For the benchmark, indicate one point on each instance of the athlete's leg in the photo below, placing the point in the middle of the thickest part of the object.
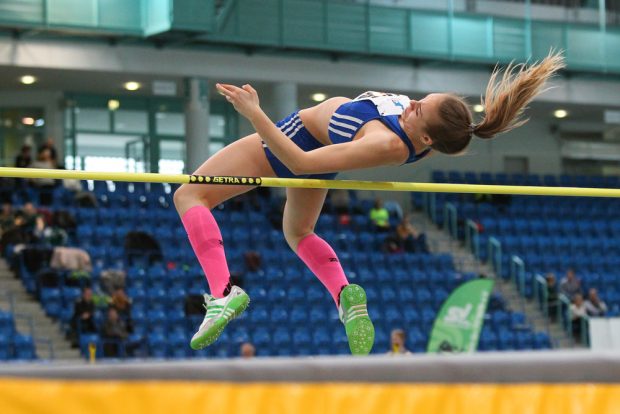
(245, 157)
(193, 202)
(302, 210)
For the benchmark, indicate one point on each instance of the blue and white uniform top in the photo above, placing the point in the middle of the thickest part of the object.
(385, 107)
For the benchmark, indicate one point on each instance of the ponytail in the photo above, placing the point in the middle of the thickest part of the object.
(507, 98)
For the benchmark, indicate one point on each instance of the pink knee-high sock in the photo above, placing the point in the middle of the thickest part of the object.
(322, 260)
(206, 240)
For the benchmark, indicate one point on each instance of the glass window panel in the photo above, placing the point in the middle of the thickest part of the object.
(103, 145)
(131, 121)
(168, 123)
(172, 157)
(171, 166)
(112, 164)
(93, 119)
(217, 126)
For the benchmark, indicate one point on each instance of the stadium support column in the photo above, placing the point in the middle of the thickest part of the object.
(196, 122)
(284, 99)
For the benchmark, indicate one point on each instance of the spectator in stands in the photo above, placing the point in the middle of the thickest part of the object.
(397, 343)
(21, 231)
(49, 146)
(115, 331)
(247, 350)
(30, 215)
(121, 303)
(24, 158)
(83, 313)
(406, 238)
(7, 216)
(44, 160)
(379, 217)
(594, 304)
(578, 312)
(552, 296)
(570, 284)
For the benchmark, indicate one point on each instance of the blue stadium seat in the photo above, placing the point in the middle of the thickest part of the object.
(261, 337)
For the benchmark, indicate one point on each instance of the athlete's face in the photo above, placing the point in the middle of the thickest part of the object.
(419, 114)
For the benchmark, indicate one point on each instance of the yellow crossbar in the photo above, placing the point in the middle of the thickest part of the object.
(310, 183)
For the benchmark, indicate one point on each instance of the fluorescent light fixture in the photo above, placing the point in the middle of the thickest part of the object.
(113, 104)
(560, 113)
(132, 86)
(318, 97)
(28, 121)
(27, 79)
(478, 108)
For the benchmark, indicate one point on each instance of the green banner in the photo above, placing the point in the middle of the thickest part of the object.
(458, 324)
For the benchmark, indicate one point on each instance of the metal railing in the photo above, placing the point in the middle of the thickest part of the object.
(495, 255)
(472, 238)
(450, 219)
(517, 276)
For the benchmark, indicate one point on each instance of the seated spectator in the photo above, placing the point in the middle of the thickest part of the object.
(406, 238)
(397, 343)
(21, 232)
(594, 304)
(115, 330)
(30, 215)
(552, 296)
(380, 217)
(121, 302)
(247, 350)
(570, 284)
(578, 312)
(24, 158)
(7, 216)
(83, 315)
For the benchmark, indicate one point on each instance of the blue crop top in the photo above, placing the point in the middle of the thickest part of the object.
(351, 116)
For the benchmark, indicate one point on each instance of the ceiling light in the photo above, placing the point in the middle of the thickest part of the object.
(27, 79)
(28, 121)
(318, 97)
(560, 113)
(39, 122)
(132, 86)
(478, 108)
(113, 104)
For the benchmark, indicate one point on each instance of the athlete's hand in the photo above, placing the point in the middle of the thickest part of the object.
(244, 99)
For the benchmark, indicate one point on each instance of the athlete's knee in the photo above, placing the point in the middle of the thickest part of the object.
(185, 197)
(294, 235)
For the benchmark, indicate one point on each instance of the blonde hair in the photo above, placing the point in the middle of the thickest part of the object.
(507, 96)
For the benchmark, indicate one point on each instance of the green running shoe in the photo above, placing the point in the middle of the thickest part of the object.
(219, 313)
(354, 314)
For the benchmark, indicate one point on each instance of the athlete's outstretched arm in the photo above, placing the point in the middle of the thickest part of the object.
(370, 151)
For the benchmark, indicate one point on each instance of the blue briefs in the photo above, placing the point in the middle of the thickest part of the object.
(293, 128)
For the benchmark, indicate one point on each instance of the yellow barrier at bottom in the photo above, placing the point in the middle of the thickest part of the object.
(166, 397)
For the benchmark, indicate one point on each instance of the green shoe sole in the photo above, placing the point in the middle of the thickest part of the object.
(239, 305)
(360, 331)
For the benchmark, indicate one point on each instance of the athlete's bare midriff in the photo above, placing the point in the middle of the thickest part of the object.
(316, 120)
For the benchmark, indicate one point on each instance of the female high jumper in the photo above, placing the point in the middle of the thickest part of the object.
(339, 134)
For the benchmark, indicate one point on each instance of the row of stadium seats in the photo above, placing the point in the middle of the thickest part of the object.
(13, 345)
(525, 179)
